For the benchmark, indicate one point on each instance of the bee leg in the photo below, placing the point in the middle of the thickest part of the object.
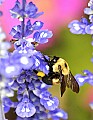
(62, 81)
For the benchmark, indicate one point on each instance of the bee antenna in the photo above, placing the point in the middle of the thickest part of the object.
(46, 60)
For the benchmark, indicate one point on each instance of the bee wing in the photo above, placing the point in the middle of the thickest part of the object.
(72, 83)
(62, 81)
(62, 86)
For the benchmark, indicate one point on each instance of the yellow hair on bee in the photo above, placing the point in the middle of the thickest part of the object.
(40, 74)
(64, 66)
(55, 81)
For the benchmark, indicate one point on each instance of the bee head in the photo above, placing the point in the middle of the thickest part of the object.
(54, 60)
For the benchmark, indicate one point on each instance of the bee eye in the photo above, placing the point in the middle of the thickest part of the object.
(65, 65)
(54, 60)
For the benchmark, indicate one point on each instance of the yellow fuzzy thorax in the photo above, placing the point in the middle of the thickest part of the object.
(61, 62)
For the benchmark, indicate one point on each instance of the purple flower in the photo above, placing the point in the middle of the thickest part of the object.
(23, 46)
(84, 27)
(44, 86)
(86, 78)
(16, 32)
(16, 9)
(42, 36)
(29, 28)
(30, 11)
(4, 45)
(89, 29)
(20, 118)
(1, 13)
(33, 99)
(91, 18)
(91, 105)
(78, 27)
(40, 116)
(14, 85)
(1, 1)
(20, 97)
(48, 102)
(23, 59)
(6, 108)
(37, 25)
(89, 11)
(7, 102)
(9, 69)
(80, 79)
(21, 79)
(57, 114)
(43, 66)
(25, 108)
(90, 3)
(21, 90)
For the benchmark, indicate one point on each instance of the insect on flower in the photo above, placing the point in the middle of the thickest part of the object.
(59, 72)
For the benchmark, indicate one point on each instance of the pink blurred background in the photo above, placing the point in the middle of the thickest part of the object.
(58, 13)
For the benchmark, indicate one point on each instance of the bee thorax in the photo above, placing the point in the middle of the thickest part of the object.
(64, 66)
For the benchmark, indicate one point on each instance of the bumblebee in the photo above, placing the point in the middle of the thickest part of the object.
(59, 73)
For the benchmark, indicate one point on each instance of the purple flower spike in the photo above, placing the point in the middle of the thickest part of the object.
(25, 109)
(34, 102)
